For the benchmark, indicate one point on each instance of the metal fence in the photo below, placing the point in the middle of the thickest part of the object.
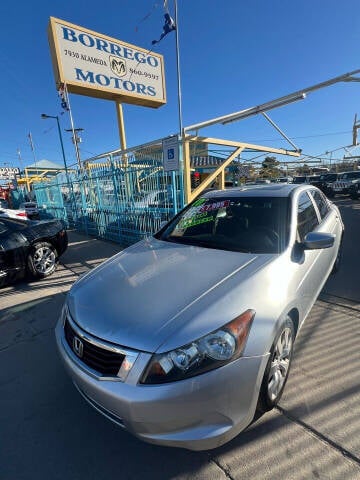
(122, 196)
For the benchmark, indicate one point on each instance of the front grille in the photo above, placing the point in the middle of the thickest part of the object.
(102, 360)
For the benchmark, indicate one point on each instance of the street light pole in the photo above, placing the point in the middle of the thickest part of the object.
(44, 116)
(69, 184)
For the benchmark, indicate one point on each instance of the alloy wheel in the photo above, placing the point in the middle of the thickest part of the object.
(280, 364)
(44, 260)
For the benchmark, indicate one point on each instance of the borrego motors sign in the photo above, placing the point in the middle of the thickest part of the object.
(95, 65)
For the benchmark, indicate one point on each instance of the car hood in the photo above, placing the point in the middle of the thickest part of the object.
(134, 298)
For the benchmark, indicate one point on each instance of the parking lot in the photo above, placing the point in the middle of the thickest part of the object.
(48, 431)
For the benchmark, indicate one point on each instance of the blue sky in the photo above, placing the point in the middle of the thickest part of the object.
(233, 55)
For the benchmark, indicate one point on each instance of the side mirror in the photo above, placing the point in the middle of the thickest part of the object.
(318, 240)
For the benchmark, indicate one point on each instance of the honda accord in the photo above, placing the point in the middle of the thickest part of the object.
(183, 337)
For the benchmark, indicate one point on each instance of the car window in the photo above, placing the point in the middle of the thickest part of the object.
(299, 179)
(307, 217)
(351, 175)
(331, 177)
(244, 224)
(321, 203)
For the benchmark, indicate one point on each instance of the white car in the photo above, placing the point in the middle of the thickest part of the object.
(31, 209)
(11, 213)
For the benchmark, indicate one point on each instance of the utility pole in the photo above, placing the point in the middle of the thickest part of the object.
(76, 140)
(356, 126)
(20, 160)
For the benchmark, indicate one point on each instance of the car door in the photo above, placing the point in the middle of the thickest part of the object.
(310, 268)
(13, 250)
(330, 222)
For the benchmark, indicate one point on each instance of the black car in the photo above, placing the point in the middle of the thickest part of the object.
(30, 247)
(301, 179)
(354, 190)
(325, 180)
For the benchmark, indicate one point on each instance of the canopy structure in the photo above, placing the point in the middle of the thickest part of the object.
(41, 171)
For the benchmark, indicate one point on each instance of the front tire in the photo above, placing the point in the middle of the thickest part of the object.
(42, 259)
(278, 367)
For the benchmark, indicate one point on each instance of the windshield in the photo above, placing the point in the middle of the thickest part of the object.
(299, 179)
(328, 177)
(350, 175)
(240, 224)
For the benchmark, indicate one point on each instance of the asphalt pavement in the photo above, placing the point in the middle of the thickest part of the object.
(47, 431)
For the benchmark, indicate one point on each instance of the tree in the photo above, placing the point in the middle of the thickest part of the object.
(270, 167)
(304, 170)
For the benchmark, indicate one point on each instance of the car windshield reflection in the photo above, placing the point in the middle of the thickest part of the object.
(246, 224)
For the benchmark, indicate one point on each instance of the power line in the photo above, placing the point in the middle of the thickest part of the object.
(306, 136)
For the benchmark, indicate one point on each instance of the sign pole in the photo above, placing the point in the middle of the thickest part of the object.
(120, 118)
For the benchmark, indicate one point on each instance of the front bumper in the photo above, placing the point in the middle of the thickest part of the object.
(199, 413)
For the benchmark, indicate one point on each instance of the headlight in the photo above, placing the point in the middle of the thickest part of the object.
(207, 353)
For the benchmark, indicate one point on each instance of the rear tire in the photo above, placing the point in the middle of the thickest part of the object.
(42, 259)
(278, 367)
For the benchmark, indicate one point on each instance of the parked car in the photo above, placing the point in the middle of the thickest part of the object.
(262, 181)
(30, 247)
(312, 179)
(354, 190)
(325, 181)
(153, 199)
(230, 183)
(299, 179)
(283, 180)
(342, 185)
(31, 209)
(13, 213)
(181, 337)
(148, 210)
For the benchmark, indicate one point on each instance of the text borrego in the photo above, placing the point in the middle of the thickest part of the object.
(111, 48)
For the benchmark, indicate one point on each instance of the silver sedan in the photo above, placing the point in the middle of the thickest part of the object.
(184, 336)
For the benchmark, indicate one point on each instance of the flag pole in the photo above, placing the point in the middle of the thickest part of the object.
(77, 153)
(33, 151)
(184, 177)
(178, 70)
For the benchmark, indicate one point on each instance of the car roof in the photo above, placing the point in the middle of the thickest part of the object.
(268, 190)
